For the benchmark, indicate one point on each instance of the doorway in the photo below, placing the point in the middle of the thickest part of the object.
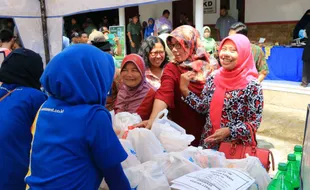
(235, 6)
(183, 6)
(129, 13)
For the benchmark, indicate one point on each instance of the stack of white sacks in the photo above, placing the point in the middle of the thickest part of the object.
(160, 155)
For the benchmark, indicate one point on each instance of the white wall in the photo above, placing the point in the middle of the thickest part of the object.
(210, 18)
(154, 11)
(275, 10)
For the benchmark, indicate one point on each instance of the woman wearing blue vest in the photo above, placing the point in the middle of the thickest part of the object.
(74, 145)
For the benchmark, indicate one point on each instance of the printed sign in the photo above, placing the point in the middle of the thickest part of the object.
(209, 6)
(118, 32)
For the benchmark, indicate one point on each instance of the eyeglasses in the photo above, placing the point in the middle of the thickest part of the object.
(176, 46)
(153, 54)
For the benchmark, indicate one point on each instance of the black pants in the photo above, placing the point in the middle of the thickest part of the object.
(137, 40)
(306, 72)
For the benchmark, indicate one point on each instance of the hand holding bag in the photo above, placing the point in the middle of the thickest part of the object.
(235, 150)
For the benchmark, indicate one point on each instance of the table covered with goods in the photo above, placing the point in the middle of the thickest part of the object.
(162, 159)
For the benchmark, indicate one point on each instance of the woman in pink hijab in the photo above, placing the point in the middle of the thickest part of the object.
(232, 99)
(136, 95)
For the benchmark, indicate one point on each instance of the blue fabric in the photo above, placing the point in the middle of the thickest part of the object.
(285, 64)
(17, 112)
(74, 142)
(149, 29)
(116, 178)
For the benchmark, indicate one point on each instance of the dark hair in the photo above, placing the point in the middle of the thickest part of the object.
(166, 12)
(6, 35)
(223, 7)
(240, 28)
(82, 34)
(147, 46)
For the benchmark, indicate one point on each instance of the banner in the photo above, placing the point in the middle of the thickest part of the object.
(117, 33)
(209, 6)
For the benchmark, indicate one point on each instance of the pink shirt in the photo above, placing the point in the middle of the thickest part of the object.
(152, 79)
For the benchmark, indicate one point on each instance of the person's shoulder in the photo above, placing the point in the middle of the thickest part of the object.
(256, 47)
(170, 66)
(27, 90)
(30, 95)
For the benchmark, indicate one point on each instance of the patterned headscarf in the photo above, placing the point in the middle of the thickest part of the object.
(198, 59)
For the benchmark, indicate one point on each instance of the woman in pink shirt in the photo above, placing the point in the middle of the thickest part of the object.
(155, 57)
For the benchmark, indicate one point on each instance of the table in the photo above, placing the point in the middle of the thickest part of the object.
(285, 64)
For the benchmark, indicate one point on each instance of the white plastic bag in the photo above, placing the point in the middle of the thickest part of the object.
(205, 158)
(147, 176)
(172, 139)
(253, 166)
(123, 120)
(132, 159)
(174, 165)
(162, 117)
(145, 143)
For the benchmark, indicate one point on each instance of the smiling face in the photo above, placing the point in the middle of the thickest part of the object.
(229, 55)
(177, 50)
(130, 75)
(157, 55)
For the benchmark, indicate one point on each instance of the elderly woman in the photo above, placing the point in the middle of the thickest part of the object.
(20, 99)
(135, 95)
(184, 42)
(232, 99)
(153, 52)
(74, 144)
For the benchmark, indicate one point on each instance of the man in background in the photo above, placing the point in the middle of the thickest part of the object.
(75, 38)
(183, 19)
(223, 24)
(162, 20)
(258, 54)
(83, 38)
(89, 26)
(135, 34)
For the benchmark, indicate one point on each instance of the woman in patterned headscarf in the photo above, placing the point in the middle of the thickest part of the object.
(189, 54)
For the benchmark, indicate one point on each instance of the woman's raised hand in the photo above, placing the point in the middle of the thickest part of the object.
(185, 80)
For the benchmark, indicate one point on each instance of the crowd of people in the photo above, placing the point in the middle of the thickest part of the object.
(56, 128)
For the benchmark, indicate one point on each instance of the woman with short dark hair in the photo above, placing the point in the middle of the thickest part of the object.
(20, 100)
(154, 54)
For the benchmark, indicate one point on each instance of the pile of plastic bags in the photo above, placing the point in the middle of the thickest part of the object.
(160, 155)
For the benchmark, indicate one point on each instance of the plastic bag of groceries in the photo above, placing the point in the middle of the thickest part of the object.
(145, 143)
(123, 120)
(147, 176)
(162, 117)
(172, 139)
(174, 165)
(205, 158)
(132, 159)
(252, 166)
